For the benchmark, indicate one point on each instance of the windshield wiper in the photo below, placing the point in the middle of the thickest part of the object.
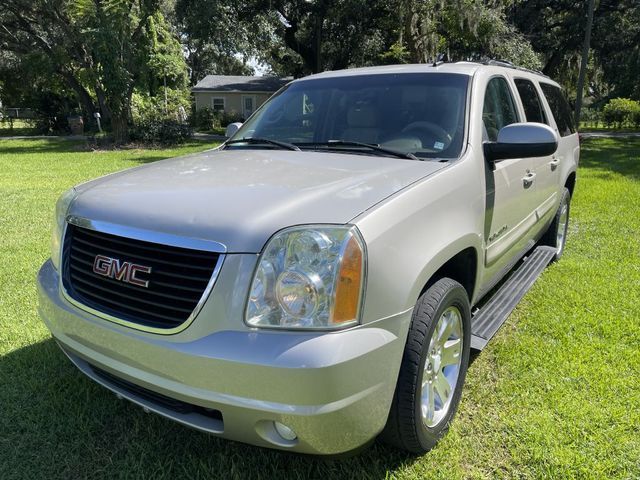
(371, 146)
(257, 140)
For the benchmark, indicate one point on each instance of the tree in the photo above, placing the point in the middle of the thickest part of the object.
(616, 46)
(463, 30)
(585, 58)
(342, 33)
(215, 39)
(101, 49)
(324, 34)
(556, 29)
(28, 81)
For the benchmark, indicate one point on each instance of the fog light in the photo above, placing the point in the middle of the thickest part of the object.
(284, 431)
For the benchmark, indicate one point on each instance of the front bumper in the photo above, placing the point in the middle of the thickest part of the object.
(334, 390)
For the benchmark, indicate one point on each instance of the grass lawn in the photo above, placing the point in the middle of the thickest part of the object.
(555, 395)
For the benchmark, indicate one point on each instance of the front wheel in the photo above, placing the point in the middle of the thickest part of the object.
(433, 369)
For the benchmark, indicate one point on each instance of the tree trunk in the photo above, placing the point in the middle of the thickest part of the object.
(102, 103)
(120, 127)
(585, 57)
(83, 96)
(318, 45)
(307, 52)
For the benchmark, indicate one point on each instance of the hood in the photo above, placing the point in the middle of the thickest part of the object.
(241, 197)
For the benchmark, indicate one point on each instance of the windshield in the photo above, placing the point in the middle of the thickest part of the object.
(419, 114)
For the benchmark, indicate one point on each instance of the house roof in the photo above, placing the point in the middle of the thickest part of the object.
(239, 83)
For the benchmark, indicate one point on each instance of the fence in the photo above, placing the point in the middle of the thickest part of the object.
(19, 113)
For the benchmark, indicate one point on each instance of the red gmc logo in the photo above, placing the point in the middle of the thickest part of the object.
(121, 271)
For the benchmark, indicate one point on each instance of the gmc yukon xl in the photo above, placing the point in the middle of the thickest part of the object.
(319, 279)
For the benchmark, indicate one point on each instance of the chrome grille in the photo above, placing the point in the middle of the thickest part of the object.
(178, 280)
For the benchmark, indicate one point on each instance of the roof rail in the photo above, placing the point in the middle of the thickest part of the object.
(506, 64)
(499, 63)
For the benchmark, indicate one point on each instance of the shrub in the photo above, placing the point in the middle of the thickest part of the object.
(164, 131)
(152, 124)
(591, 117)
(620, 111)
(230, 117)
(145, 107)
(207, 119)
(44, 124)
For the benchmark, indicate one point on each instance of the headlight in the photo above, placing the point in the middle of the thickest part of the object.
(309, 277)
(62, 207)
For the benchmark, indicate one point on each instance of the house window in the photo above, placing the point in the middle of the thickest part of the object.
(217, 103)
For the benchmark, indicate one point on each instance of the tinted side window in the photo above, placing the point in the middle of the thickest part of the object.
(559, 108)
(499, 109)
(531, 101)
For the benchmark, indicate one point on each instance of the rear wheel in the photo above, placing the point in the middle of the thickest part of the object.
(433, 369)
(556, 235)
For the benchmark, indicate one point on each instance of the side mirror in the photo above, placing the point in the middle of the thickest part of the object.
(232, 128)
(522, 140)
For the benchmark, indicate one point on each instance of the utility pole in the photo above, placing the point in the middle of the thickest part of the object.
(585, 58)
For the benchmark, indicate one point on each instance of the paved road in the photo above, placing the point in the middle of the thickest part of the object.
(609, 134)
(209, 136)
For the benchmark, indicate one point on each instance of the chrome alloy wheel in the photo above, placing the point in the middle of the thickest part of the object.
(562, 225)
(441, 367)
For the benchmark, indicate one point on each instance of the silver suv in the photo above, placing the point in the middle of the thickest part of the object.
(309, 285)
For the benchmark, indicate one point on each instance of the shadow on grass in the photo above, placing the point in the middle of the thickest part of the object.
(24, 146)
(620, 156)
(134, 153)
(7, 132)
(56, 423)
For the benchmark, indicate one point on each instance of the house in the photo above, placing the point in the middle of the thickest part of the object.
(234, 93)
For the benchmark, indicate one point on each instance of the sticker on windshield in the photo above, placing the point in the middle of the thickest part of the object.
(438, 145)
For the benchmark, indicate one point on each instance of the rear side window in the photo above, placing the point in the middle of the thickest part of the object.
(559, 108)
(531, 101)
(499, 109)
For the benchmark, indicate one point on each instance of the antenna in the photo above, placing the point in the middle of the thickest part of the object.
(440, 59)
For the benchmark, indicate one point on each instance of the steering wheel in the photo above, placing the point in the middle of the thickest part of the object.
(274, 116)
(432, 130)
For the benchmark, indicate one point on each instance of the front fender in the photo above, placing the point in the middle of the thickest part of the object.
(411, 235)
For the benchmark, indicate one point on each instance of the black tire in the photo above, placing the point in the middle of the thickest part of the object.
(551, 237)
(405, 428)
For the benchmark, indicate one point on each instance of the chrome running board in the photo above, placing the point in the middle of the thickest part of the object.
(492, 315)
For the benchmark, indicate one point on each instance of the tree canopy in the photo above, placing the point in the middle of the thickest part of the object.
(99, 49)
(96, 55)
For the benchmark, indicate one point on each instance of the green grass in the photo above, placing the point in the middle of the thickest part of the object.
(555, 395)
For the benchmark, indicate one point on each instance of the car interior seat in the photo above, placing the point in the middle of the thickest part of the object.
(362, 125)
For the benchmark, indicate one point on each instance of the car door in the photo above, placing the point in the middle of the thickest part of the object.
(568, 143)
(545, 169)
(511, 203)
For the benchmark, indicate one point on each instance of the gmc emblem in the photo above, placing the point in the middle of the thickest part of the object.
(121, 271)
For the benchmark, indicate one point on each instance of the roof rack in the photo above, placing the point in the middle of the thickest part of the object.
(506, 64)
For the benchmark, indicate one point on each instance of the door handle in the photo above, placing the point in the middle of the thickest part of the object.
(555, 161)
(528, 179)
